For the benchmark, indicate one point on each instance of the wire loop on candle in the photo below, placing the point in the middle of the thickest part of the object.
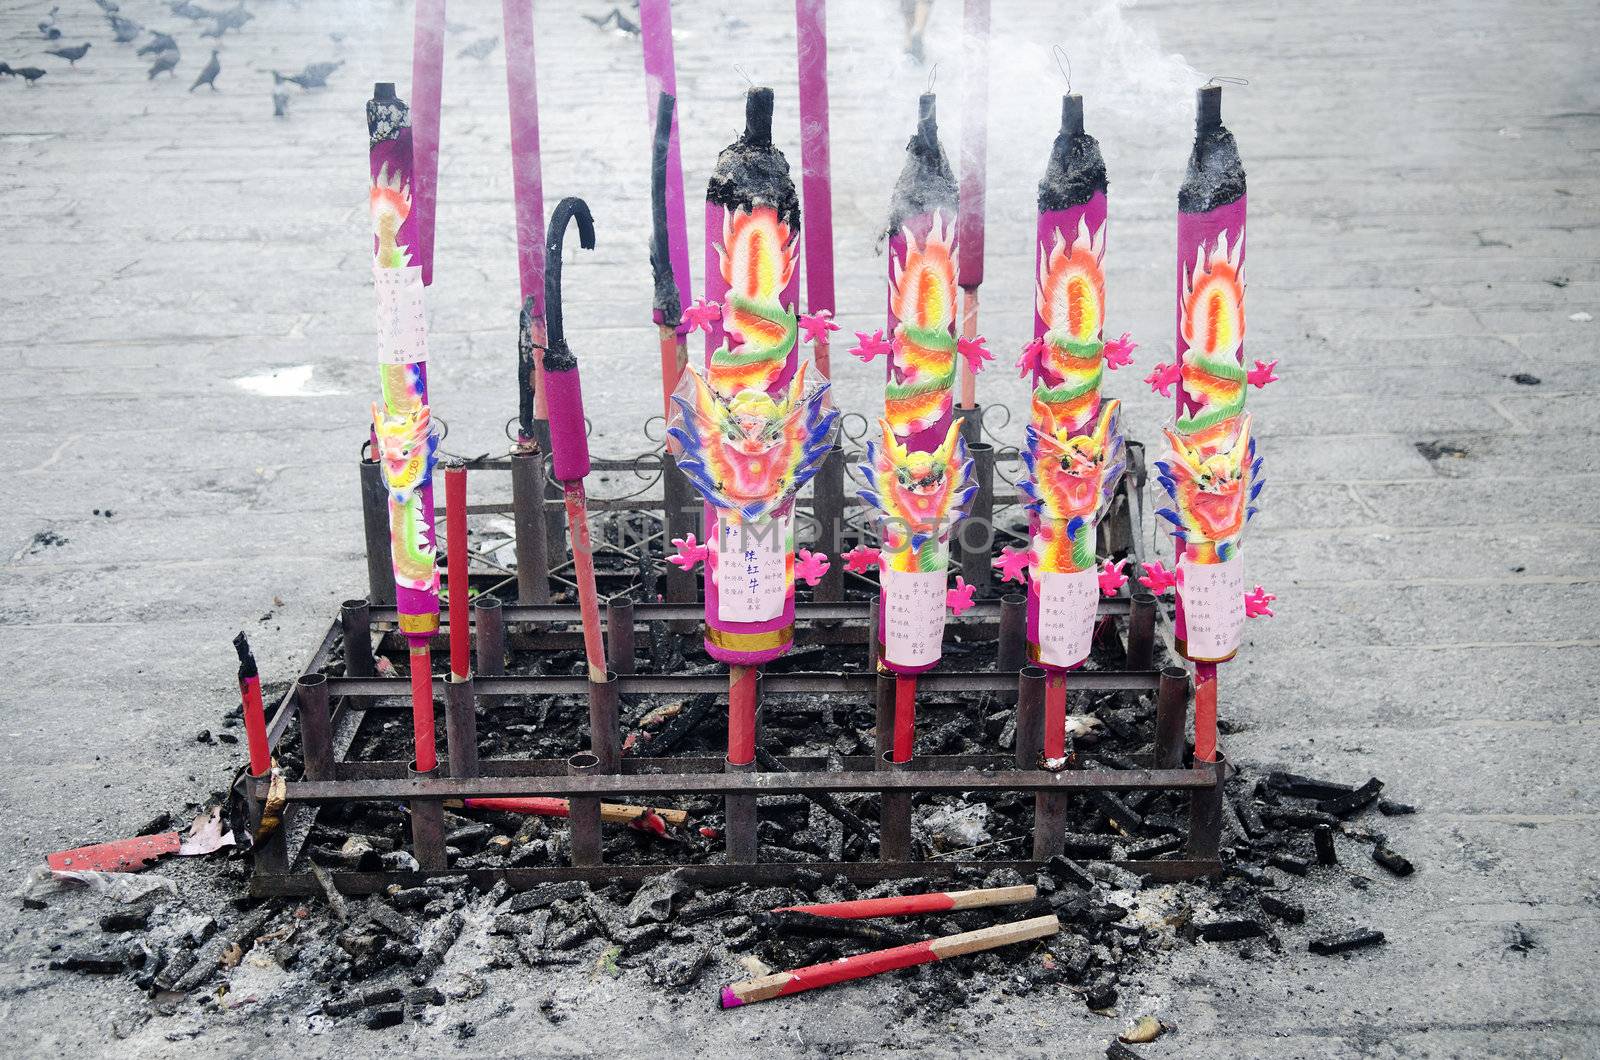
(747, 78)
(933, 75)
(1064, 64)
(1220, 80)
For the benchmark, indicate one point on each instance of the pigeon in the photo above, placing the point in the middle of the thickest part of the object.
(315, 75)
(47, 25)
(208, 76)
(190, 10)
(623, 23)
(280, 103)
(27, 73)
(161, 43)
(163, 64)
(321, 71)
(126, 29)
(479, 49)
(110, 7)
(71, 55)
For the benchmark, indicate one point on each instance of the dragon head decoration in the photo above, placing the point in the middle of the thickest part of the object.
(1071, 479)
(921, 494)
(406, 446)
(1213, 493)
(752, 452)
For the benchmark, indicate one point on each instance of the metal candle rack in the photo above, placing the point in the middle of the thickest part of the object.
(331, 707)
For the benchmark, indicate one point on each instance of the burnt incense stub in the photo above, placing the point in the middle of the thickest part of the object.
(387, 114)
(926, 182)
(1216, 173)
(750, 172)
(1076, 169)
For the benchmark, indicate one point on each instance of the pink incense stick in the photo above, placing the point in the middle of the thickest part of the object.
(522, 91)
(974, 176)
(427, 86)
(568, 434)
(660, 76)
(816, 182)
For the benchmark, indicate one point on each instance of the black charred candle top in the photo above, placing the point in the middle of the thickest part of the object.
(1076, 171)
(387, 113)
(751, 172)
(667, 301)
(558, 355)
(247, 661)
(926, 182)
(1216, 175)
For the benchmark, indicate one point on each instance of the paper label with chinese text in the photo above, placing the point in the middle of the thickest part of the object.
(402, 323)
(1067, 604)
(913, 616)
(752, 569)
(1213, 608)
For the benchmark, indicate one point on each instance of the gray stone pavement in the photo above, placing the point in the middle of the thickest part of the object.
(1424, 196)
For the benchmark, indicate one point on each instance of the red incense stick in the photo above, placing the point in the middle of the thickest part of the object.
(742, 682)
(583, 560)
(905, 716)
(546, 806)
(1055, 715)
(455, 521)
(862, 965)
(255, 714)
(904, 905)
(1205, 712)
(422, 708)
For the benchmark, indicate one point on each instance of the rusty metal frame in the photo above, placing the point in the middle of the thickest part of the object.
(532, 623)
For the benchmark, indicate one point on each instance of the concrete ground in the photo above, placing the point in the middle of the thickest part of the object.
(187, 348)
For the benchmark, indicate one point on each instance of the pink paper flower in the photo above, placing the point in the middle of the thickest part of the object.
(1119, 351)
(1112, 578)
(1013, 562)
(960, 599)
(817, 325)
(1032, 358)
(690, 553)
(701, 314)
(975, 352)
(1163, 377)
(861, 559)
(1157, 578)
(1257, 604)
(810, 566)
(870, 346)
(1263, 373)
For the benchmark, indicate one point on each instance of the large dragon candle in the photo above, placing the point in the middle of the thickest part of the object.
(918, 473)
(1074, 452)
(1211, 473)
(750, 432)
(401, 423)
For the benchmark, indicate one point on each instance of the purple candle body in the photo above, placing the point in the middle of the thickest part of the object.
(1069, 326)
(1212, 208)
(427, 86)
(752, 242)
(402, 422)
(660, 76)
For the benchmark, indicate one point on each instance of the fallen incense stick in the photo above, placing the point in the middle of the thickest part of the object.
(779, 984)
(614, 812)
(937, 902)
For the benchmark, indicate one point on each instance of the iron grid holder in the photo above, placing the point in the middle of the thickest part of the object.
(332, 708)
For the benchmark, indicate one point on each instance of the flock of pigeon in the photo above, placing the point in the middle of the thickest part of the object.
(163, 48)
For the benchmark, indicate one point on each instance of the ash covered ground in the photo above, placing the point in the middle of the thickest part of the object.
(188, 344)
